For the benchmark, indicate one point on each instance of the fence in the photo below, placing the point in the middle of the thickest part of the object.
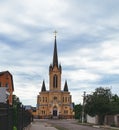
(10, 117)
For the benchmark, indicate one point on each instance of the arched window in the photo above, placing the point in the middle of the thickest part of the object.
(55, 98)
(63, 99)
(55, 81)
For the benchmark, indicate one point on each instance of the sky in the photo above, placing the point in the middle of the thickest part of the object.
(87, 43)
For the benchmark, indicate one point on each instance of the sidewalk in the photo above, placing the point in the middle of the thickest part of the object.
(101, 126)
(40, 126)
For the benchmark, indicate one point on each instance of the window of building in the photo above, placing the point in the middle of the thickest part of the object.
(55, 81)
(6, 85)
(63, 99)
(0, 84)
(43, 112)
(40, 99)
(55, 98)
(65, 111)
(46, 99)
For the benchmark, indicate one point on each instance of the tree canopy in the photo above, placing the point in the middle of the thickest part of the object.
(114, 105)
(78, 111)
(101, 102)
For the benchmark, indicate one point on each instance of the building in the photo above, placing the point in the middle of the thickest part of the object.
(6, 80)
(55, 103)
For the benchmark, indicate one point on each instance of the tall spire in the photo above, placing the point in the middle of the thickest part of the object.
(43, 89)
(65, 87)
(55, 57)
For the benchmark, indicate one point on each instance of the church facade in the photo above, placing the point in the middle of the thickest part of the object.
(55, 103)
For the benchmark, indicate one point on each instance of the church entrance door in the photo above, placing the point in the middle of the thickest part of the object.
(55, 111)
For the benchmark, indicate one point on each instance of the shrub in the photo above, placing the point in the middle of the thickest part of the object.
(14, 128)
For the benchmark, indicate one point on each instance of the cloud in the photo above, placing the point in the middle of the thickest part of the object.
(87, 41)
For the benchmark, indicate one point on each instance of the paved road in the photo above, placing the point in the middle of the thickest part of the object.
(40, 125)
(66, 124)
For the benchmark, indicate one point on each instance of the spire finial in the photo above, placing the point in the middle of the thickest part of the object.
(55, 33)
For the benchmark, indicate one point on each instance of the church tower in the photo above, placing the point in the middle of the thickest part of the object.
(55, 71)
(55, 103)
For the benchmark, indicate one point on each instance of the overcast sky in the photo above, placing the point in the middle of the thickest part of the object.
(87, 42)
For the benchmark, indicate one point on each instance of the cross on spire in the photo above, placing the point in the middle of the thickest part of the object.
(55, 33)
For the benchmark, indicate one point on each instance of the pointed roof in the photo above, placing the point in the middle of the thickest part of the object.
(43, 89)
(66, 87)
(55, 57)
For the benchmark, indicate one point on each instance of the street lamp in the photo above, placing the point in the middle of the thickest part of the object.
(83, 107)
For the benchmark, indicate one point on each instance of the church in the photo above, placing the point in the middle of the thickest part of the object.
(54, 103)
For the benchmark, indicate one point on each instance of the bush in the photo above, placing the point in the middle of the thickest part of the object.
(113, 125)
(14, 128)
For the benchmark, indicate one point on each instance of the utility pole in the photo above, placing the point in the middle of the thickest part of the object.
(84, 95)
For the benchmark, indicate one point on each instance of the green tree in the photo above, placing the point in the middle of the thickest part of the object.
(16, 103)
(15, 100)
(98, 103)
(78, 111)
(114, 105)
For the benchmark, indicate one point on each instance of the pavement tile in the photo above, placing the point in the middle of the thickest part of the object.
(40, 126)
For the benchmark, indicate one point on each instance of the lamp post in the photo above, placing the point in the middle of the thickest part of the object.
(83, 113)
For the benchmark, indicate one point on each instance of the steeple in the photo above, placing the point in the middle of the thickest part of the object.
(43, 89)
(55, 57)
(65, 87)
(55, 71)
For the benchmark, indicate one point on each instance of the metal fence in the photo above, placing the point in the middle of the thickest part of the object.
(14, 117)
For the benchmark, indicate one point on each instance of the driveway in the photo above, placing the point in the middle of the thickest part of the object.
(68, 125)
